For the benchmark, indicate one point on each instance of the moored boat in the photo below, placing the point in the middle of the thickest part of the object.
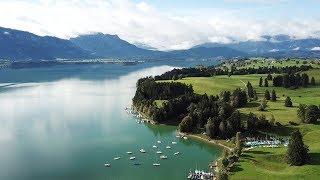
(142, 150)
(163, 157)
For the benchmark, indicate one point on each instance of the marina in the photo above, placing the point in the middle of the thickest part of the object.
(200, 175)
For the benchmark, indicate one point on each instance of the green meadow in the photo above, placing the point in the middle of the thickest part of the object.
(214, 85)
(269, 163)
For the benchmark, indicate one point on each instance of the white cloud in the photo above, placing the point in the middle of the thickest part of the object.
(315, 49)
(296, 49)
(145, 24)
(274, 50)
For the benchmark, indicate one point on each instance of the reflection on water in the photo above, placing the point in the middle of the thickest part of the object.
(68, 128)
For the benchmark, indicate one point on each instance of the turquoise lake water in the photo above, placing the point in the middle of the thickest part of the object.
(65, 122)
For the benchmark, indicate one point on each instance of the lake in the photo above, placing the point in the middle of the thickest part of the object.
(66, 122)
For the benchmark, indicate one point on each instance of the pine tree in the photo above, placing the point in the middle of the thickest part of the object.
(297, 153)
(186, 124)
(223, 129)
(250, 90)
(255, 96)
(312, 114)
(266, 83)
(301, 112)
(273, 95)
(238, 144)
(260, 82)
(288, 102)
(267, 95)
(313, 81)
(263, 105)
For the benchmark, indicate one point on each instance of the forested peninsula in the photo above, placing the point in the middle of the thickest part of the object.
(236, 111)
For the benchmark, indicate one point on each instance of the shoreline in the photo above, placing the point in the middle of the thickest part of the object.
(146, 119)
(209, 141)
(214, 164)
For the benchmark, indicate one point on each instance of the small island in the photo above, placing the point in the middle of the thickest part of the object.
(263, 112)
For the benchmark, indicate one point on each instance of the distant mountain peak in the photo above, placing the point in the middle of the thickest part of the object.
(277, 38)
(18, 45)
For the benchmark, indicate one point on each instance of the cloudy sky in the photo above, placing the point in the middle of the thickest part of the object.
(165, 24)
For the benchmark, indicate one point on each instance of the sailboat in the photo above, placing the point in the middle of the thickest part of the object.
(142, 150)
(163, 157)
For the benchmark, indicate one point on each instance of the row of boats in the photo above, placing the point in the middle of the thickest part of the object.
(200, 175)
(144, 151)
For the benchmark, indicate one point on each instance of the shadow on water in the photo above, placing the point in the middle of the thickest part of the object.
(161, 130)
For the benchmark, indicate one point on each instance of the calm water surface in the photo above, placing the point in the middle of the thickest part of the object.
(65, 122)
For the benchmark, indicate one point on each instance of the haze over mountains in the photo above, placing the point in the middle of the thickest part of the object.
(18, 45)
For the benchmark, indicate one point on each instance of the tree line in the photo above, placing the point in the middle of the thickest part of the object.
(293, 80)
(212, 71)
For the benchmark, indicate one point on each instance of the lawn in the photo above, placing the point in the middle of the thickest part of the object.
(269, 163)
(214, 85)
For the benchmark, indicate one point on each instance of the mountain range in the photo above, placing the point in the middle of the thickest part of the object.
(21, 45)
(18, 45)
(273, 46)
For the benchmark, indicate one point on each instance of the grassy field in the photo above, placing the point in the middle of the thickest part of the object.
(269, 163)
(282, 114)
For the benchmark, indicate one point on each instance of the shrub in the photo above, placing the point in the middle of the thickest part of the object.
(288, 102)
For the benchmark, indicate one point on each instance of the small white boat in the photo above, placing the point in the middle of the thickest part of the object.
(154, 146)
(132, 158)
(173, 142)
(185, 137)
(117, 158)
(156, 164)
(129, 152)
(159, 152)
(142, 150)
(163, 157)
(177, 136)
(176, 153)
(107, 165)
(159, 142)
(168, 147)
